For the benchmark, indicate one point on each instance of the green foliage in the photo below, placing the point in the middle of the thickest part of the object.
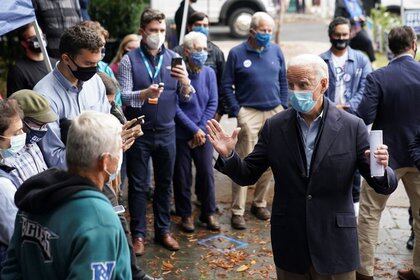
(119, 17)
(383, 22)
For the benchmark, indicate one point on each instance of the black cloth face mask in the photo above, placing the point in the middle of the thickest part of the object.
(34, 45)
(340, 44)
(83, 73)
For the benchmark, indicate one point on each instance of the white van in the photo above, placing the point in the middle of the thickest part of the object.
(394, 6)
(234, 13)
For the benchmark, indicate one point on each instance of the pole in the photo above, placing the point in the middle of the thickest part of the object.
(43, 48)
(184, 21)
(402, 12)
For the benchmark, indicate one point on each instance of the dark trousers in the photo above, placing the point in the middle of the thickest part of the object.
(357, 182)
(204, 179)
(160, 146)
(363, 43)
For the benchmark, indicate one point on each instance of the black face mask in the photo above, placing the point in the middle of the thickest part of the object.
(83, 73)
(34, 45)
(340, 44)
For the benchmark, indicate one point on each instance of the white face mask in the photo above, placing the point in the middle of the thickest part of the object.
(113, 175)
(17, 142)
(155, 40)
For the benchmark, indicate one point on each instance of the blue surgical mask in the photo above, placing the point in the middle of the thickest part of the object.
(199, 58)
(263, 39)
(201, 29)
(302, 101)
(17, 142)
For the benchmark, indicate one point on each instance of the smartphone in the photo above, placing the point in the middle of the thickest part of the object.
(175, 62)
(119, 209)
(139, 120)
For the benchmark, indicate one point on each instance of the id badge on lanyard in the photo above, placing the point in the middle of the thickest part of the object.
(152, 76)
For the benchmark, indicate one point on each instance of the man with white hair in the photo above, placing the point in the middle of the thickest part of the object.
(313, 150)
(66, 228)
(255, 88)
(191, 141)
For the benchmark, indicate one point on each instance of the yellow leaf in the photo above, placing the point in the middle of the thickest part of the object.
(242, 268)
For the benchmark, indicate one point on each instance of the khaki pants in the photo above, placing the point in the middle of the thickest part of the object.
(371, 207)
(251, 121)
(313, 275)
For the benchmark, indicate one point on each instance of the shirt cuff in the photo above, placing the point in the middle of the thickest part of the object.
(229, 156)
(134, 100)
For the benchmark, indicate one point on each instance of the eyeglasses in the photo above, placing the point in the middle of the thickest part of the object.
(32, 124)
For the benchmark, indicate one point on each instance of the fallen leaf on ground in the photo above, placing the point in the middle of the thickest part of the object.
(242, 268)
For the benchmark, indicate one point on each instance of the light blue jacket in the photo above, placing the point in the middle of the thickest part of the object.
(358, 67)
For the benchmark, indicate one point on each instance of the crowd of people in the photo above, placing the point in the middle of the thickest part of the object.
(72, 139)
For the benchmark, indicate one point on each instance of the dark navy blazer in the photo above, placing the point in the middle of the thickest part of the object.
(392, 103)
(313, 219)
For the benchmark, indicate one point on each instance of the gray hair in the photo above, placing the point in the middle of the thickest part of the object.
(258, 17)
(193, 38)
(310, 61)
(91, 135)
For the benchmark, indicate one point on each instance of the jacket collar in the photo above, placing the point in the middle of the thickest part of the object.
(402, 57)
(331, 125)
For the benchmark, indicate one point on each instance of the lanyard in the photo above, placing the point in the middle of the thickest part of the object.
(149, 70)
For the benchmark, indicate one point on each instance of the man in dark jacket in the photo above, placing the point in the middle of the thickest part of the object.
(353, 10)
(391, 102)
(179, 14)
(313, 150)
(66, 228)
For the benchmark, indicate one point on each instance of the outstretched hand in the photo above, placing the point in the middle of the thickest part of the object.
(222, 142)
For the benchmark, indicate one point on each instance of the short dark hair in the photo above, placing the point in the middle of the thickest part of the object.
(9, 109)
(95, 25)
(335, 22)
(400, 39)
(22, 30)
(111, 85)
(79, 37)
(150, 15)
(196, 16)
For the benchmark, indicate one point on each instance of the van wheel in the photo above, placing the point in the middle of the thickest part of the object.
(239, 22)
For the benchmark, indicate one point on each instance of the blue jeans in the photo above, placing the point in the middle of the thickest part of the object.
(204, 179)
(160, 146)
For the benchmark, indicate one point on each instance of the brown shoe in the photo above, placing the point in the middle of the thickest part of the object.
(363, 277)
(138, 245)
(187, 224)
(212, 222)
(261, 213)
(238, 222)
(407, 275)
(167, 241)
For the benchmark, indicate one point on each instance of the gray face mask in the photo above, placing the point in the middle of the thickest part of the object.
(155, 40)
